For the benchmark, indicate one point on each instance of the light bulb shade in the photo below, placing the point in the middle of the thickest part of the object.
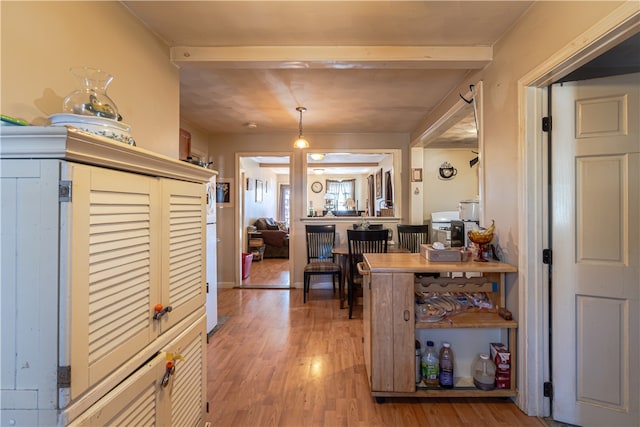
(316, 156)
(301, 143)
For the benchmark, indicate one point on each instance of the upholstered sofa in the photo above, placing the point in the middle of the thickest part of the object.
(275, 236)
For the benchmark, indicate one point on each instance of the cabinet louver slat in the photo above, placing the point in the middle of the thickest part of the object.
(185, 243)
(188, 399)
(140, 412)
(119, 263)
(113, 270)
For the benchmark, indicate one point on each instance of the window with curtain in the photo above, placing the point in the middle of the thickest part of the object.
(341, 191)
(283, 204)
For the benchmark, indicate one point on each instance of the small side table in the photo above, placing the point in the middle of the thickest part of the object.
(256, 246)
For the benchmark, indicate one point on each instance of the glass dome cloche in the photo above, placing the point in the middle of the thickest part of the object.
(91, 98)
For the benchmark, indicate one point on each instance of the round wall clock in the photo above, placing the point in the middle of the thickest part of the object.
(316, 187)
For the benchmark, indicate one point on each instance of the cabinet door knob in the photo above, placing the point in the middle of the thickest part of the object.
(160, 311)
(171, 368)
(407, 315)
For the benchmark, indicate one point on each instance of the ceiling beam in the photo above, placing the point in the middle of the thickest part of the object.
(320, 165)
(295, 57)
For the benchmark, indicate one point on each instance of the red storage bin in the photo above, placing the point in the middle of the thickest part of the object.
(246, 264)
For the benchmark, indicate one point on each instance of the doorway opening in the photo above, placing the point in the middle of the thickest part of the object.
(264, 218)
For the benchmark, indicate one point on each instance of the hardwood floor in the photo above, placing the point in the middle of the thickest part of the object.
(279, 362)
(268, 273)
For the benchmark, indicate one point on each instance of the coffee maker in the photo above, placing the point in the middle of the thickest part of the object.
(459, 232)
(468, 212)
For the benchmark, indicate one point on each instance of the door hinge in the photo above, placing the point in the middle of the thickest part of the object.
(64, 191)
(207, 287)
(207, 407)
(547, 256)
(546, 124)
(547, 389)
(64, 376)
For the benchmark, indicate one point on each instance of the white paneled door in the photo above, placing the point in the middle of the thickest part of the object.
(596, 251)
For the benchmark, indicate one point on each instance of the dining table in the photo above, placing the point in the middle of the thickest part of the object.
(341, 255)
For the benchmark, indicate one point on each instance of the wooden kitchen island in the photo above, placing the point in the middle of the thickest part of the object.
(389, 320)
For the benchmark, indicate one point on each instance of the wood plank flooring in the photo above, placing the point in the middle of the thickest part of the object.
(268, 273)
(279, 362)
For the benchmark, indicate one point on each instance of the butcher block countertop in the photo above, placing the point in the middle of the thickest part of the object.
(416, 263)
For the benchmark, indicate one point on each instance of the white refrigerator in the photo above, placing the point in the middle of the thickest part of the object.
(212, 263)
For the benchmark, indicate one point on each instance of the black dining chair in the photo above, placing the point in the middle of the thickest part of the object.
(369, 227)
(362, 242)
(412, 236)
(320, 241)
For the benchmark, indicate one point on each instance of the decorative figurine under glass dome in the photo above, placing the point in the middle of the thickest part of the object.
(91, 99)
(91, 110)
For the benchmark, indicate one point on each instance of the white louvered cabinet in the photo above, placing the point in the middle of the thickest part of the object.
(82, 277)
(143, 400)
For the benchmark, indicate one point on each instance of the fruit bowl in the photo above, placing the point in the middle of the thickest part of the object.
(481, 238)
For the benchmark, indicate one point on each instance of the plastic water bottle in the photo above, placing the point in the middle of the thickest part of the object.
(430, 366)
(446, 366)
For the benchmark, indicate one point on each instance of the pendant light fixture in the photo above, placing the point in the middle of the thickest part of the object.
(301, 142)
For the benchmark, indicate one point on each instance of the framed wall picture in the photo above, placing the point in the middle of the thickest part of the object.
(379, 184)
(224, 192)
(250, 184)
(416, 175)
(259, 190)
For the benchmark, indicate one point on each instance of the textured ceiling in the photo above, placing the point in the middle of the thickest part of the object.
(358, 66)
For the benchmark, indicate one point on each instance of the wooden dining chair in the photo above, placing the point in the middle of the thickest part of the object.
(412, 236)
(369, 227)
(362, 242)
(320, 241)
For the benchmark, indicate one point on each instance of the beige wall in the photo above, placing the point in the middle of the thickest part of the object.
(199, 139)
(444, 195)
(42, 40)
(255, 209)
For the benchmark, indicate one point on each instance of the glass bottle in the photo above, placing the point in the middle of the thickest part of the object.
(91, 98)
(484, 373)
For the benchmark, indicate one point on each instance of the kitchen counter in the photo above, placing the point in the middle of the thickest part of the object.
(416, 263)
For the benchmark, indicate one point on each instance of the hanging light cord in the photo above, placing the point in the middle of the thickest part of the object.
(301, 110)
(300, 142)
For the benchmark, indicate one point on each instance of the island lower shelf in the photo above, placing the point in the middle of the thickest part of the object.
(470, 321)
(450, 392)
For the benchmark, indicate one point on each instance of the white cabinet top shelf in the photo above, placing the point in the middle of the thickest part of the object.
(67, 143)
